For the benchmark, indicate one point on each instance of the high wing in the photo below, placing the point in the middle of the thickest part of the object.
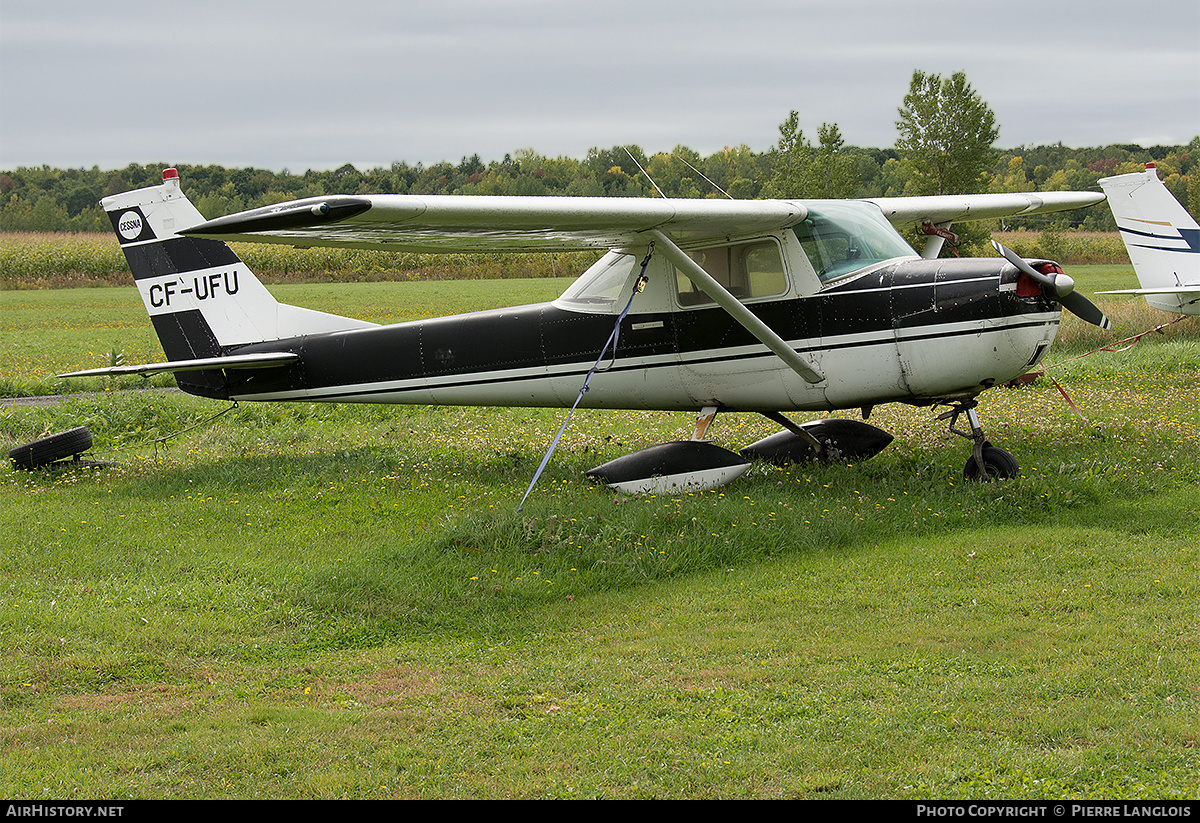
(457, 223)
(445, 223)
(957, 208)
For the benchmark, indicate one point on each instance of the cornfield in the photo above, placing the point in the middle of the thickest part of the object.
(1078, 247)
(30, 260)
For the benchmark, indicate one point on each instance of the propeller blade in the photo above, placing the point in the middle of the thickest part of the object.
(1061, 283)
(1063, 287)
(1085, 309)
(1018, 261)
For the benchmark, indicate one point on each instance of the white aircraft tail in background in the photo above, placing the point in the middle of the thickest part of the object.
(1162, 238)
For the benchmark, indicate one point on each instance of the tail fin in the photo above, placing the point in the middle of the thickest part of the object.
(1163, 240)
(203, 300)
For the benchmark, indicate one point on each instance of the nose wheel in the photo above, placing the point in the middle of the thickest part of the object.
(987, 462)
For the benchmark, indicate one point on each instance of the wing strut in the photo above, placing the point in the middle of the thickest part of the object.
(694, 272)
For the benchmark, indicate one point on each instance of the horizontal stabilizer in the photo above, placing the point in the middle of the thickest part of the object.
(1180, 290)
(237, 361)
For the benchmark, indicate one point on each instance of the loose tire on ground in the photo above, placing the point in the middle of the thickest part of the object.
(49, 449)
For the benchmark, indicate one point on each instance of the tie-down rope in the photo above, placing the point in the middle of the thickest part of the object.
(611, 343)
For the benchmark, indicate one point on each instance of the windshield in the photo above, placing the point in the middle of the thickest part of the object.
(601, 286)
(841, 237)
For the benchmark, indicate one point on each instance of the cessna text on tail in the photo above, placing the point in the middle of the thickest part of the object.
(733, 306)
(1163, 240)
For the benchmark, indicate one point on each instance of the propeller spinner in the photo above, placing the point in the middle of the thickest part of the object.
(1062, 288)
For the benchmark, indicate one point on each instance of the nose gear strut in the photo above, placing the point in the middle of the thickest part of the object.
(987, 462)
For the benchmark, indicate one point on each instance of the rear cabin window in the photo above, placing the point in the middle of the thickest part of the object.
(748, 271)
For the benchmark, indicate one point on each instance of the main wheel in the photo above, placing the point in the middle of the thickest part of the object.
(48, 449)
(998, 464)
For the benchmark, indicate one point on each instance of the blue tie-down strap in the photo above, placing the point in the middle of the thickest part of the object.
(610, 344)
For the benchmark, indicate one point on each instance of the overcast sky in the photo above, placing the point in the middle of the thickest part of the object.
(314, 84)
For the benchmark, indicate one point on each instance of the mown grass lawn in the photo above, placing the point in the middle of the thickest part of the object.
(309, 601)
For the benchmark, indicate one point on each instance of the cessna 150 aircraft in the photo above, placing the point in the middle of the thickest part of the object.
(767, 306)
(1163, 240)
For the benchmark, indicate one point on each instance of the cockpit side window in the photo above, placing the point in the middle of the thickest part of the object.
(747, 270)
(841, 238)
(600, 287)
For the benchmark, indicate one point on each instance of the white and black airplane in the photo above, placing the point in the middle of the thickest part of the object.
(1162, 239)
(765, 306)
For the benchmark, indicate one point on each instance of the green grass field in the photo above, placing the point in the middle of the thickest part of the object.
(328, 602)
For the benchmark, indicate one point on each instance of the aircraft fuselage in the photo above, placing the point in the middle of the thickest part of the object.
(911, 331)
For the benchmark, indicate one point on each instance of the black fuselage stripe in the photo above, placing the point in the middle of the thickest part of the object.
(911, 301)
(546, 337)
(579, 370)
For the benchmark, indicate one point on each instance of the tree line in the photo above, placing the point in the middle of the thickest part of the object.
(944, 145)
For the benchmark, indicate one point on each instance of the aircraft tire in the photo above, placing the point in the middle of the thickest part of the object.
(998, 464)
(49, 449)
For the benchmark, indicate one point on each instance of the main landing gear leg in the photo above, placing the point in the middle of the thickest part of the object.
(707, 415)
(987, 462)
